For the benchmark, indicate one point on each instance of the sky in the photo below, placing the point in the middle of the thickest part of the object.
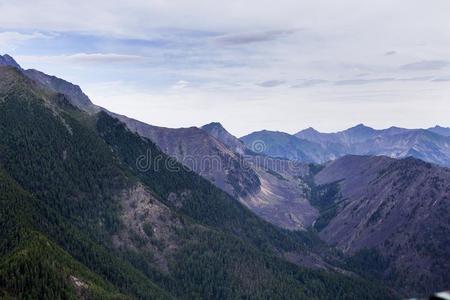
(251, 65)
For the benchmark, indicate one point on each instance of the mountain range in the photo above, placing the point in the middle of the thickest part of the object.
(101, 206)
(309, 145)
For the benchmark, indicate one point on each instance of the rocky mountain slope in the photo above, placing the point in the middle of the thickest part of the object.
(280, 198)
(399, 210)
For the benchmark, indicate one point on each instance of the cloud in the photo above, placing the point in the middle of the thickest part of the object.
(271, 83)
(425, 65)
(309, 83)
(252, 37)
(422, 78)
(181, 84)
(363, 81)
(11, 38)
(231, 49)
(441, 79)
(83, 58)
(102, 57)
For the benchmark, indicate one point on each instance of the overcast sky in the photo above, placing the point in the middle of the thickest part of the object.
(251, 65)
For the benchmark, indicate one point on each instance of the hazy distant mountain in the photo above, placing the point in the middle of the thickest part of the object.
(346, 138)
(283, 145)
(400, 208)
(445, 131)
(431, 145)
(420, 143)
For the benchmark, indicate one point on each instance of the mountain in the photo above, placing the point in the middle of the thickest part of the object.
(215, 154)
(280, 198)
(392, 215)
(445, 131)
(356, 134)
(430, 145)
(283, 145)
(6, 60)
(203, 154)
(71, 91)
(74, 92)
(219, 132)
(254, 180)
(83, 215)
(420, 143)
(344, 140)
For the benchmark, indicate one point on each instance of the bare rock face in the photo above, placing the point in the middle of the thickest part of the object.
(400, 208)
(149, 225)
(283, 196)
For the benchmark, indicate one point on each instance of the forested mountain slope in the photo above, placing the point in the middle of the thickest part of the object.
(114, 229)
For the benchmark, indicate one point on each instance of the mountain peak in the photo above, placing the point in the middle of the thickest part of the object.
(439, 127)
(211, 125)
(219, 132)
(7, 60)
(445, 131)
(310, 130)
(360, 127)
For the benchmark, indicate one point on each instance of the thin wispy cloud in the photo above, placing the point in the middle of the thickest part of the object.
(252, 37)
(271, 83)
(13, 38)
(102, 58)
(363, 81)
(426, 65)
(310, 83)
(86, 58)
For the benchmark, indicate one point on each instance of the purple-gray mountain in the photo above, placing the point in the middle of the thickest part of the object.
(398, 208)
(309, 145)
